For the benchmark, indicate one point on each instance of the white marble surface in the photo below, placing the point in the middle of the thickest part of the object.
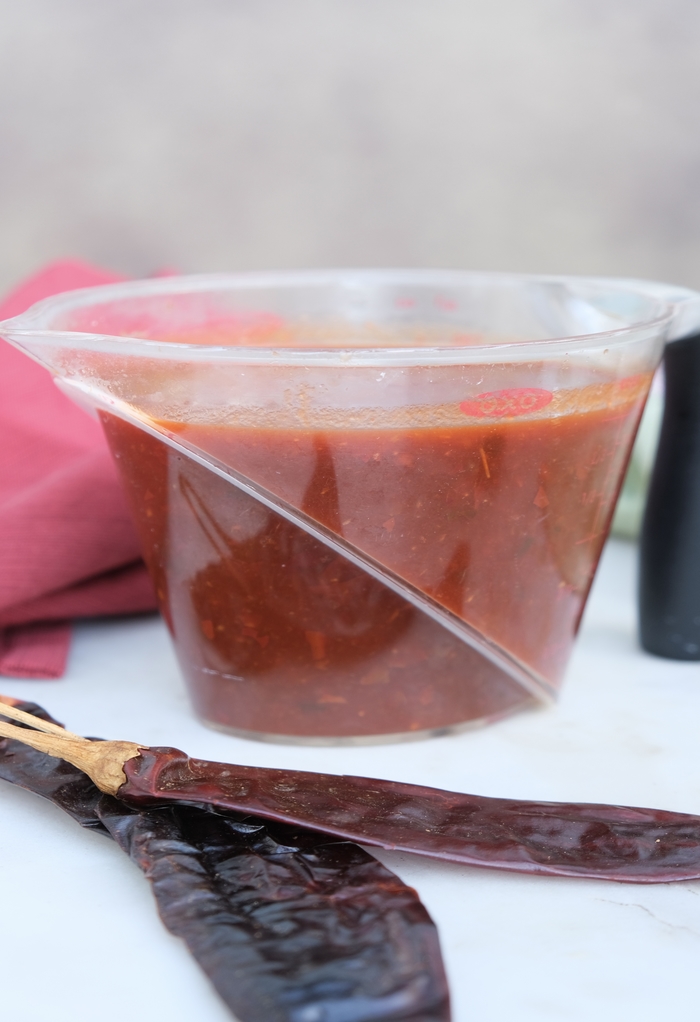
(76, 913)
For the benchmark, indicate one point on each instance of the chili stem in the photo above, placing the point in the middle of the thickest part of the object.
(7, 710)
(103, 762)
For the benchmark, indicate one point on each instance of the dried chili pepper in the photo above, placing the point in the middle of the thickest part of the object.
(289, 925)
(561, 839)
(584, 840)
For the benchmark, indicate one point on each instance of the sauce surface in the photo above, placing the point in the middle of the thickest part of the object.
(500, 520)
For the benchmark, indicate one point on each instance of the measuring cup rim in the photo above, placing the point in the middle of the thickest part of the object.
(36, 322)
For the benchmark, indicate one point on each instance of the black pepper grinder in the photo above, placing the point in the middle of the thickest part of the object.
(669, 576)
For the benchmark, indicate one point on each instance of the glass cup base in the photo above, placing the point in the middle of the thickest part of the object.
(376, 739)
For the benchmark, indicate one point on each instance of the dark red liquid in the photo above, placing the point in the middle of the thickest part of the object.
(501, 521)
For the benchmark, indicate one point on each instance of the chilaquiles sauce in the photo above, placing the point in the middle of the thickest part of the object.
(496, 508)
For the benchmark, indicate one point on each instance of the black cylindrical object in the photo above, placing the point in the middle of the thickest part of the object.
(669, 581)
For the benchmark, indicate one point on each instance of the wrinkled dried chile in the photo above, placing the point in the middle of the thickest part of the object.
(556, 838)
(289, 925)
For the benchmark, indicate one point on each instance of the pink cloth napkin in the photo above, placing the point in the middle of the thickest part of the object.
(67, 544)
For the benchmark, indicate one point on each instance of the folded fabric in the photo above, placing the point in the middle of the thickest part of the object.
(68, 548)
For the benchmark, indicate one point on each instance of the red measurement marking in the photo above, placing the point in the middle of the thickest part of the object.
(506, 403)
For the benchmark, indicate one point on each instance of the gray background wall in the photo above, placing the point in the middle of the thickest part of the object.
(541, 135)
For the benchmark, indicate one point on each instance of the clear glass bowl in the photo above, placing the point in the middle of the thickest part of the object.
(372, 502)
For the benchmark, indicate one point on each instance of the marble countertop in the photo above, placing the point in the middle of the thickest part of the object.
(80, 937)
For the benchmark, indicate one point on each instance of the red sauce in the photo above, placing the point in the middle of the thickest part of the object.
(501, 520)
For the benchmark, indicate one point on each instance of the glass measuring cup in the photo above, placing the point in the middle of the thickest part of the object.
(372, 502)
